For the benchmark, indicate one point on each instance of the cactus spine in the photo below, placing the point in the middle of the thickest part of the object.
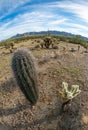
(25, 73)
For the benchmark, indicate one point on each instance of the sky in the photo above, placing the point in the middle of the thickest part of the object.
(20, 16)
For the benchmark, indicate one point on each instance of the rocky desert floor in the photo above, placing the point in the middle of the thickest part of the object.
(54, 66)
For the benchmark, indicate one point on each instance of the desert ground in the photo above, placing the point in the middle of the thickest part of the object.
(54, 66)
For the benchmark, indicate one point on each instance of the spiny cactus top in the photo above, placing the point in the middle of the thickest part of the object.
(69, 94)
(25, 73)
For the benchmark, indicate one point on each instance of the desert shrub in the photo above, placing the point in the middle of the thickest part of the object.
(47, 41)
(55, 47)
(12, 45)
(85, 45)
(42, 44)
(63, 38)
(72, 49)
(76, 40)
(37, 46)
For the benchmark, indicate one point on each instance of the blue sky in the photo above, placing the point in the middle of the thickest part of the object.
(19, 16)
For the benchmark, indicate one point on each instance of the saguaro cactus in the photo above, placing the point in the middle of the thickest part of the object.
(25, 73)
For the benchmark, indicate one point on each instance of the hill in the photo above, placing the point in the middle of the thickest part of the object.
(49, 32)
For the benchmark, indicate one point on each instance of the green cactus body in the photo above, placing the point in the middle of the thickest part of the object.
(47, 41)
(25, 73)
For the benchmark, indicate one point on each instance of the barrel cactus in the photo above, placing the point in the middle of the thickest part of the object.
(23, 66)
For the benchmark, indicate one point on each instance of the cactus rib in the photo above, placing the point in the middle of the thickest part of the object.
(25, 73)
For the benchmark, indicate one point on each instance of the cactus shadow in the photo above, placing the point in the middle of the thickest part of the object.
(5, 127)
(70, 119)
(8, 86)
(10, 111)
(38, 122)
(35, 122)
(66, 120)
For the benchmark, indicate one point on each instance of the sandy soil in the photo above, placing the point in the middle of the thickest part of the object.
(54, 67)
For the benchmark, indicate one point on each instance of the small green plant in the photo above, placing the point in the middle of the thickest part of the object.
(68, 94)
(42, 44)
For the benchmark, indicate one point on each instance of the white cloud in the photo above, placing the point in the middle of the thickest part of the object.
(33, 21)
(77, 26)
(8, 6)
(58, 22)
(78, 8)
(42, 17)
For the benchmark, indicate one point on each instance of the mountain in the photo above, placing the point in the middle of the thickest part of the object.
(50, 32)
